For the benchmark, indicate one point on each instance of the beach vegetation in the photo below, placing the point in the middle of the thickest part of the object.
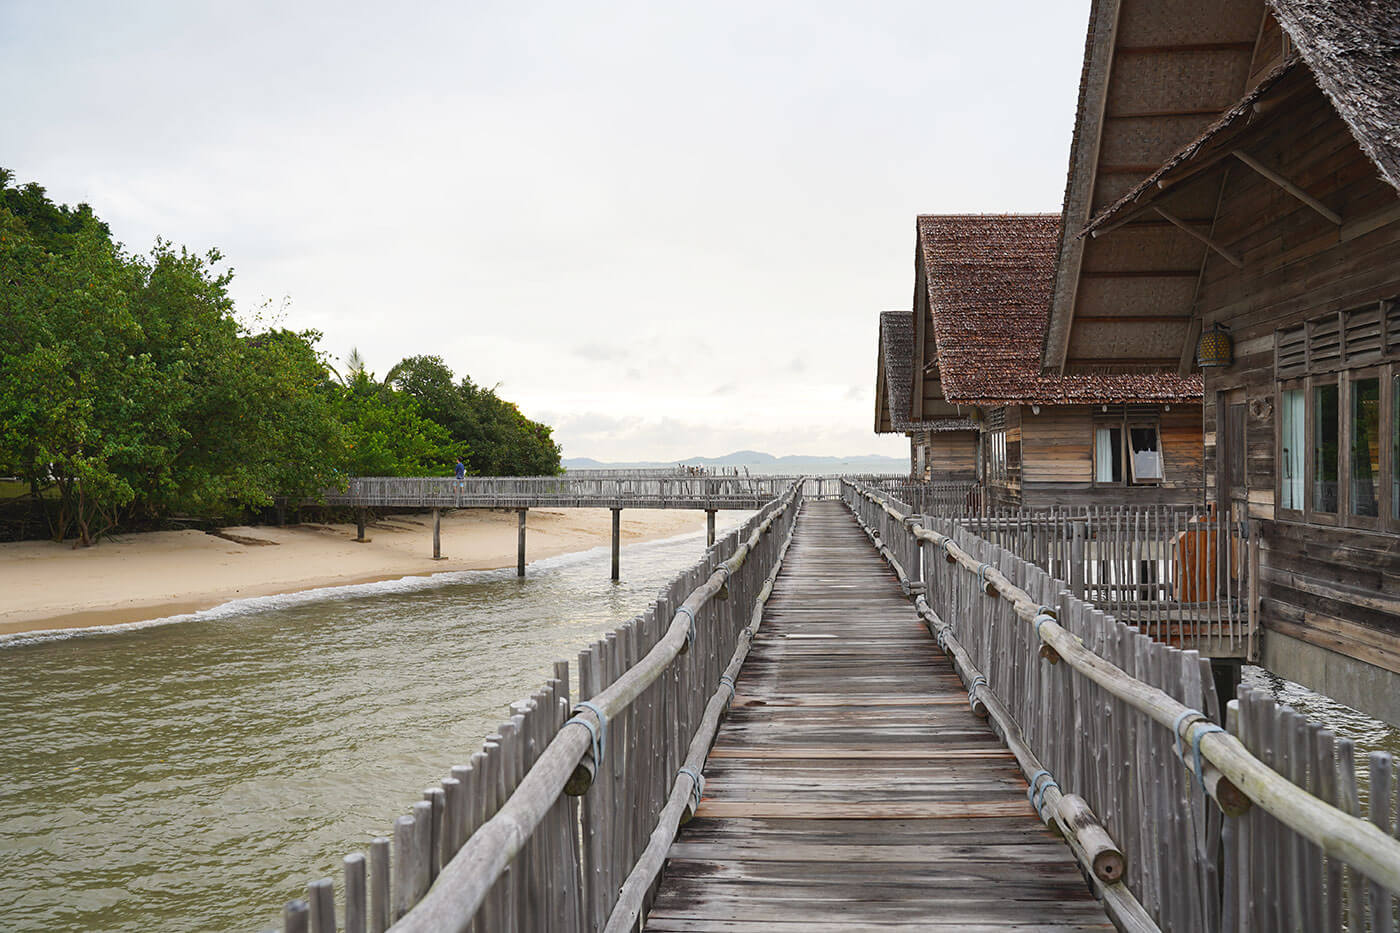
(131, 393)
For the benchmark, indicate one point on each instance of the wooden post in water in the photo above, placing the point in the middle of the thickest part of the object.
(437, 534)
(616, 541)
(520, 546)
(709, 528)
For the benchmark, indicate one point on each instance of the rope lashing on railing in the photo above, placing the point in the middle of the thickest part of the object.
(598, 732)
(1201, 733)
(977, 706)
(690, 632)
(697, 785)
(1040, 619)
(987, 586)
(1035, 793)
(723, 587)
(726, 681)
(1207, 727)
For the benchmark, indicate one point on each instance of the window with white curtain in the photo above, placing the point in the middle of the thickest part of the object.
(1128, 455)
(1293, 447)
(1108, 454)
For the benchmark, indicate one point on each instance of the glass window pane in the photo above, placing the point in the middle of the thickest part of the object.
(1108, 455)
(1147, 455)
(1291, 440)
(1365, 447)
(1325, 441)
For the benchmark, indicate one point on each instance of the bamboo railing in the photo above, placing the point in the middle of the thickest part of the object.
(555, 824)
(1182, 577)
(1251, 826)
(669, 491)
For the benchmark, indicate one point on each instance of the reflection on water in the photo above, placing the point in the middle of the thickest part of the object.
(196, 775)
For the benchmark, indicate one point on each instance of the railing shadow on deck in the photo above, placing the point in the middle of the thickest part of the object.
(1253, 822)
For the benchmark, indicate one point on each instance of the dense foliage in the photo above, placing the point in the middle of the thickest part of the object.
(130, 392)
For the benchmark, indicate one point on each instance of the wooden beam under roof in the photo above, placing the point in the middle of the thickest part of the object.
(1186, 228)
(1186, 47)
(1134, 318)
(1288, 186)
(1142, 274)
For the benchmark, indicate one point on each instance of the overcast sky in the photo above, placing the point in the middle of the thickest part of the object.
(666, 229)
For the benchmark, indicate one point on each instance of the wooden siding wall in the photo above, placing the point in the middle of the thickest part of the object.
(1336, 588)
(953, 456)
(1057, 459)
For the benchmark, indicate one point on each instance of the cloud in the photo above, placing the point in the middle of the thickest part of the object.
(599, 353)
(671, 227)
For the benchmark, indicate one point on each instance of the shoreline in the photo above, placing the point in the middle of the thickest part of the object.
(156, 575)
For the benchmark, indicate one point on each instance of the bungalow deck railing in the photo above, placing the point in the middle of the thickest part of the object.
(554, 824)
(1181, 576)
(1248, 821)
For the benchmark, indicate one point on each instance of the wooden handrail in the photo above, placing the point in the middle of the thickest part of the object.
(1339, 834)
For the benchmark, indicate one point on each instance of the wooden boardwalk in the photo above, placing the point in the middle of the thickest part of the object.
(851, 786)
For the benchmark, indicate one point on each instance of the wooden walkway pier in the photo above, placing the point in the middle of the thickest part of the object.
(807, 732)
(851, 785)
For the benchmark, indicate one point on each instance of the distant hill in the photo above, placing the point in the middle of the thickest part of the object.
(757, 462)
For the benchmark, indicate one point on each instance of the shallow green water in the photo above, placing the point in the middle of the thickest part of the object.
(195, 775)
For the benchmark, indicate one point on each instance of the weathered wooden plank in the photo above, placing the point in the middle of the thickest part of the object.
(851, 785)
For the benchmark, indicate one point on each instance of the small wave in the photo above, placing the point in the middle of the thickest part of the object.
(250, 605)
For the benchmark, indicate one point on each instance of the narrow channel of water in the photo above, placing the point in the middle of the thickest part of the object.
(195, 775)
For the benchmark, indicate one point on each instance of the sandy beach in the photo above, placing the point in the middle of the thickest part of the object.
(147, 576)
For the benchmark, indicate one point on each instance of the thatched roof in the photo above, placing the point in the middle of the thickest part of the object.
(1353, 49)
(1236, 116)
(989, 278)
(897, 379)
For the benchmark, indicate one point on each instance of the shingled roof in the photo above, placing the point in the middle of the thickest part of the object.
(989, 281)
(897, 354)
(1353, 49)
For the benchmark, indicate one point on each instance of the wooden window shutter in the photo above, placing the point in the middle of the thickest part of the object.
(1362, 337)
(1325, 344)
(1291, 352)
(1390, 321)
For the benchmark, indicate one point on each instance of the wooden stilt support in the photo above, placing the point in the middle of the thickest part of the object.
(709, 527)
(437, 534)
(520, 546)
(616, 540)
(360, 524)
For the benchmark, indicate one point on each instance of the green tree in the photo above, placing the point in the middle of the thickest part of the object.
(500, 441)
(385, 434)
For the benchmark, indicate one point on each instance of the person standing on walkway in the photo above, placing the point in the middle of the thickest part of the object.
(461, 471)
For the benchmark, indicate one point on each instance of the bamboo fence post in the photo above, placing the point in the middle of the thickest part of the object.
(356, 902)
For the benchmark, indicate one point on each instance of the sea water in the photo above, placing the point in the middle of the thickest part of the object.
(195, 773)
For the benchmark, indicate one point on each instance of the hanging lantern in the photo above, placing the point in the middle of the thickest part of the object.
(1215, 349)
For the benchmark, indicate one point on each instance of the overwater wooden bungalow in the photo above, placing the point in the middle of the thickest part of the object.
(1233, 196)
(981, 296)
(942, 438)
